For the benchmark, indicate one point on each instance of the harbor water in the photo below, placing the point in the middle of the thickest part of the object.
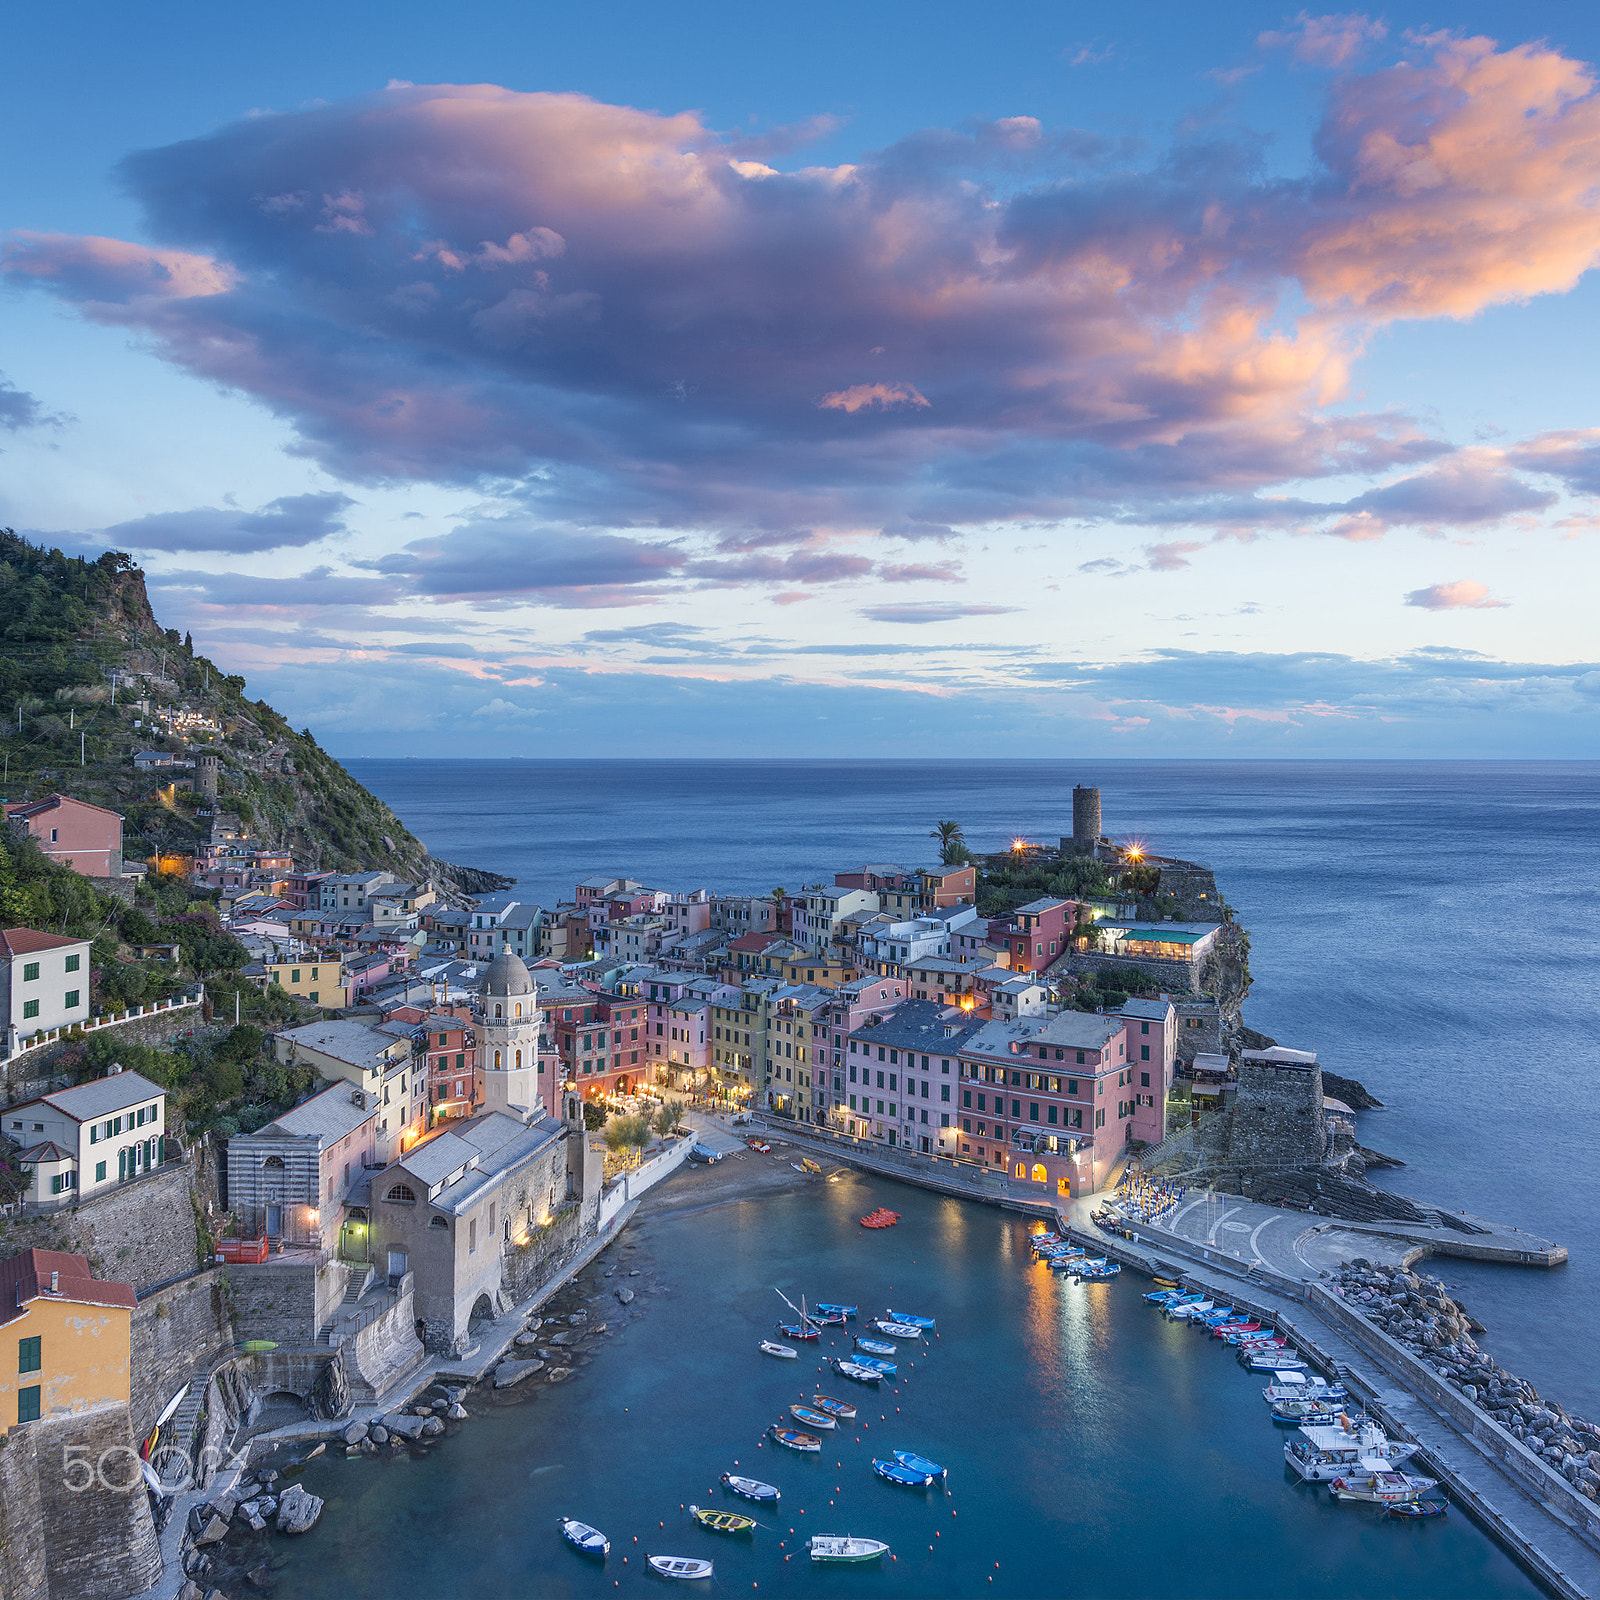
(1093, 1448)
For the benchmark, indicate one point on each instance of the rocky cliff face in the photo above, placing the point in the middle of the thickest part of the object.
(96, 678)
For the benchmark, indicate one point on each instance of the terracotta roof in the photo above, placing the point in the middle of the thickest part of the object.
(25, 942)
(34, 808)
(26, 1277)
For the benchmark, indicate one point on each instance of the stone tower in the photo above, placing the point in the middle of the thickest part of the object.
(1085, 820)
(206, 772)
(508, 1040)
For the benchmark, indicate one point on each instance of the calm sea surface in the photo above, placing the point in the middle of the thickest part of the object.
(1431, 929)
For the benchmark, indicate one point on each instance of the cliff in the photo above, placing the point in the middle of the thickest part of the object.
(88, 676)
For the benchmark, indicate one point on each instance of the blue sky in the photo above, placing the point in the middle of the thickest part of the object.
(1141, 380)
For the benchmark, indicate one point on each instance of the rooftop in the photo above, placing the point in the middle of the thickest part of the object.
(920, 1025)
(28, 1277)
(26, 942)
(343, 1039)
(325, 1117)
(494, 1141)
(103, 1097)
(1152, 1010)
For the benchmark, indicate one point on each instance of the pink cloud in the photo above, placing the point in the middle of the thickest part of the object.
(937, 572)
(869, 396)
(1465, 594)
(1171, 557)
(1327, 41)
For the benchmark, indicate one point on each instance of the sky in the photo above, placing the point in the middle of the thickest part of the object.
(1148, 380)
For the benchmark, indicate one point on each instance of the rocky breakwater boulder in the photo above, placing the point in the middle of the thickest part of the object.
(298, 1510)
(510, 1373)
(1415, 1310)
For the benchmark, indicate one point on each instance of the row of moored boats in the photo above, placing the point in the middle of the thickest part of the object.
(1061, 1255)
(1335, 1445)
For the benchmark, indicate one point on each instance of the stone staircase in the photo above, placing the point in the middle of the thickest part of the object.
(347, 1316)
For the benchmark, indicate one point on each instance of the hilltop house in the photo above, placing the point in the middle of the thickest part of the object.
(44, 983)
(81, 1142)
(78, 835)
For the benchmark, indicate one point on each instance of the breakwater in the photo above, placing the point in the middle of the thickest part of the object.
(1528, 1507)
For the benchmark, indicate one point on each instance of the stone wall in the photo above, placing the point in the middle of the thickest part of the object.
(1177, 977)
(1195, 889)
(74, 1510)
(285, 1299)
(1278, 1119)
(142, 1233)
(179, 1333)
(158, 1029)
(1204, 1039)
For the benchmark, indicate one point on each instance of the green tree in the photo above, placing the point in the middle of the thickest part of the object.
(666, 1118)
(952, 842)
(594, 1117)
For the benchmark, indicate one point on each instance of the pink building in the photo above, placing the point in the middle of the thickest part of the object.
(850, 1006)
(86, 838)
(679, 1035)
(1152, 1036)
(1035, 936)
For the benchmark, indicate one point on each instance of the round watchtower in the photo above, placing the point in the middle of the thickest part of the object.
(1085, 819)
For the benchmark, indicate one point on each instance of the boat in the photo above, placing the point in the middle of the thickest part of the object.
(1167, 1283)
(791, 1330)
(841, 1547)
(853, 1369)
(1185, 1313)
(704, 1153)
(1417, 1508)
(680, 1567)
(836, 1310)
(1224, 1329)
(898, 1330)
(1301, 1412)
(793, 1439)
(582, 1537)
(1220, 1315)
(897, 1472)
(1326, 1453)
(751, 1488)
(828, 1319)
(877, 1364)
(797, 1167)
(722, 1521)
(812, 1419)
(834, 1408)
(1271, 1361)
(876, 1347)
(909, 1458)
(881, 1218)
(810, 1165)
(912, 1318)
(1302, 1386)
(783, 1351)
(1375, 1481)
(1171, 1297)
(1100, 1270)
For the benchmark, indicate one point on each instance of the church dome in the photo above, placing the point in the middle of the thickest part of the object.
(507, 975)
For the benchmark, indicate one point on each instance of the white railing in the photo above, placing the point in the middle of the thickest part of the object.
(37, 1041)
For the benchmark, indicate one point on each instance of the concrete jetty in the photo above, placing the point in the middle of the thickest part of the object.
(1531, 1510)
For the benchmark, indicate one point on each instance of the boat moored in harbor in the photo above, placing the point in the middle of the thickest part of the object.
(1324, 1453)
(833, 1408)
(909, 1458)
(1376, 1482)
(582, 1537)
(811, 1418)
(841, 1547)
(794, 1439)
(876, 1347)
(687, 1567)
(722, 1521)
(853, 1369)
(751, 1489)
(782, 1351)
(898, 1472)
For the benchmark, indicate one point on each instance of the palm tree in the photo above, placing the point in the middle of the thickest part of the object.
(780, 894)
(952, 842)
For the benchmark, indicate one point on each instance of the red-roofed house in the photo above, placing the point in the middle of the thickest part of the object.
(69, 1334)
(44, 983)
(81, 836)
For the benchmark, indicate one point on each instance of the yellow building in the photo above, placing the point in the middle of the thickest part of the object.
(64, 1337)
(320, 979)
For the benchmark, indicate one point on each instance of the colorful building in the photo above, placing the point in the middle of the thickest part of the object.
(66, 1338)
(84, 1141)
(1035, 936)
(44, 983)
(72, 832)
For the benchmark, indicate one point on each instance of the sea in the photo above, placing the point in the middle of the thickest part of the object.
(1430, 929)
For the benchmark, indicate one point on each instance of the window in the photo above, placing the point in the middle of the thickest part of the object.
(294, 975)
(30, 1008)
(402, 1194)
(1033, 1111)
(30, 972)
(70, 1002)
(28, 1404)
(1144, 1080)
(29, 1358)
(944, 1092)
(72, 963)
(472, 1235)
(99, 1172)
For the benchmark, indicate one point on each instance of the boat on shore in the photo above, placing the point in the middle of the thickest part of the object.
(687, 1567)
(909, 1458)
(751, 1489)
(854, 1370)
(722, 1521)
(782, 1351)
(834, 1408)
(794, 1439)
(898, 1472)
(841, 1547)
(582, 1537)
(811, 1418)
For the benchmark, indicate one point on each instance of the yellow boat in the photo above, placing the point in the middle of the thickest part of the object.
(722, 1521)
(810, 1165)
(1166, 1283)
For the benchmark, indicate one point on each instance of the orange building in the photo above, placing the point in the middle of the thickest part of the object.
(64, 1337)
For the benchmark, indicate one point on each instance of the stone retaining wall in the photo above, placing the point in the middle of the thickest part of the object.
(285, 1300)
(179, 1333)
(158, 1028)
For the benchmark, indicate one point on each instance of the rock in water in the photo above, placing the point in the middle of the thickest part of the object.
(513, 1372)
(558, 1374)
(298, 1510)
(625, 1296)
(214, 1531)
(527, 1341)
(431, 1427)
(457, 1412)
(561, 1338)
(407, 1427)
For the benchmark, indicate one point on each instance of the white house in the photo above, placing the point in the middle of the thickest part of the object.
(81, 1142)
(44, 982)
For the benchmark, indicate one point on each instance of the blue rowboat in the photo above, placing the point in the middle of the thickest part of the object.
(582, 1537)
(877, 1364)
(836, 1310)
(791, 1330)
(793, 1439)
(877, 1347)
(896, 1473)
(909, 1458)
(912, 1318)
(858, 1370)
(812, 1419)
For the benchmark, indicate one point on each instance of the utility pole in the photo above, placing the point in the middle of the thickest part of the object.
(83, 760)
(236, 1008)
(72, 718)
